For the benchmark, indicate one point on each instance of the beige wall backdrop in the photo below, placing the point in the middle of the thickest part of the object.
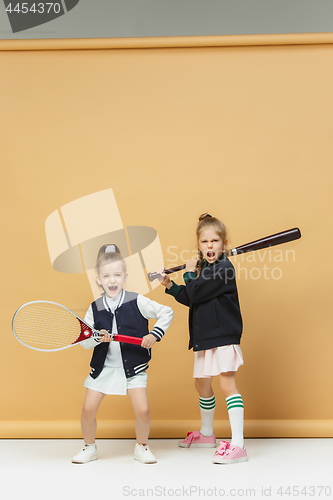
(241, 132)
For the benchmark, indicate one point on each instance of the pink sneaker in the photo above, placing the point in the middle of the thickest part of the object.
(197, 440)
(229, 454)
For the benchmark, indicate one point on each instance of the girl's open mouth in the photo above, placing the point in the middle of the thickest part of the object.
(113, 288)
(210, 255)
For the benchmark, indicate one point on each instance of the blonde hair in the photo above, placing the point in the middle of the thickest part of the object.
(105, 256)
(207, 220)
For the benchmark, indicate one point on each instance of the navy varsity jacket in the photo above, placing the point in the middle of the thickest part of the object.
(132, 317)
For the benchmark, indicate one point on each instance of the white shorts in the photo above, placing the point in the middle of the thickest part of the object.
(212, 362)
(113, 381)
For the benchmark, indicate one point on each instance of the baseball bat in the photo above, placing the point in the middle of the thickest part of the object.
(268, 241)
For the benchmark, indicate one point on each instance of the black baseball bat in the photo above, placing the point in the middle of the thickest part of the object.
(268, 241)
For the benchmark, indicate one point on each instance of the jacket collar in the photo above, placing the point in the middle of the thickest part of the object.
(120, 302)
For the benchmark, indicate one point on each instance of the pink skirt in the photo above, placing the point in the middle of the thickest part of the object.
(212, 362)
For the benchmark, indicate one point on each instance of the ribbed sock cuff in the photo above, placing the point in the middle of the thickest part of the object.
(207, 403)
(234, 401)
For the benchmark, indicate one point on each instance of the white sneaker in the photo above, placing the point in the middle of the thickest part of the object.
(143, 454)
(87, 454)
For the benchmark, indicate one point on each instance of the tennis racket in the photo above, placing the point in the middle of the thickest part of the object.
(48, 326)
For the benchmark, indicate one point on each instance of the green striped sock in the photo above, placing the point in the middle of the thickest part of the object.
(207, 403)
(207, 409)
(234, 401)
(236, 417)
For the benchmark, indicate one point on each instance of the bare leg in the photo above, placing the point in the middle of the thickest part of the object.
(228, 383)
(88, 417)
(139, 400)
(204, 387)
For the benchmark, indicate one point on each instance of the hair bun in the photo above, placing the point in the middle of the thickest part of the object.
(108, 248)
(203, 216)
(111, 248)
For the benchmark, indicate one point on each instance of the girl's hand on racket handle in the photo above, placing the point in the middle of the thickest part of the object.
(148, 341)
(106, 336)
(164, 278)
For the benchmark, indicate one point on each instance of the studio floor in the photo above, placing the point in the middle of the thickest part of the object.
(277, 468)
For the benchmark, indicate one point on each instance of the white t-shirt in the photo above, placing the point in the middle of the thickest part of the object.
(113, 357)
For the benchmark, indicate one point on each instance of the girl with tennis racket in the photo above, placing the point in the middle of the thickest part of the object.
(116, 367)
(215, 324)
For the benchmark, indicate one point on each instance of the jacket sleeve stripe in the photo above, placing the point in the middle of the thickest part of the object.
(157, 332)
(140, 368)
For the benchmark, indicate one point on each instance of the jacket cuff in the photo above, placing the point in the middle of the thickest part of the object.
(157, 332)
(174, 290)
(95, 336)
(190, 275)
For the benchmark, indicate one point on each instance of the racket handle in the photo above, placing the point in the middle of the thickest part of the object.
(127, 339)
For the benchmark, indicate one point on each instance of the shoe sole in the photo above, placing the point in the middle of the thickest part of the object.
(152, 462)
(86, 462)
(198, 445)
(234, 461)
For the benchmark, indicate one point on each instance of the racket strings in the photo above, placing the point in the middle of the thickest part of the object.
(46, 326)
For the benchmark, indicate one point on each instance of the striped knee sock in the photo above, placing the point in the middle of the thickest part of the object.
(236, 416)
(207, 408)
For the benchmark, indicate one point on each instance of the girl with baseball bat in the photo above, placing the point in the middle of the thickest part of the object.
(215, 327)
